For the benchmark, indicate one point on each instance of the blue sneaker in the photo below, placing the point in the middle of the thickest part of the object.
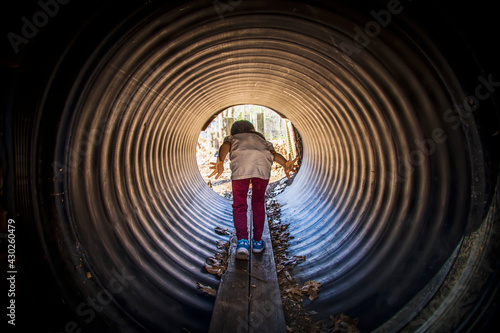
(258, 247)
(242, 249)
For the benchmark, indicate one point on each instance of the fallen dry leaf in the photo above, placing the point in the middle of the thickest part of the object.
(221, 231)
(222, 244)
(206, 289)
(311, 288)
(216, 270)
(294, 289)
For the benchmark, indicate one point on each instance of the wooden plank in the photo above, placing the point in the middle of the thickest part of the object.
(248, 299)
(231, 307)
(266, 310)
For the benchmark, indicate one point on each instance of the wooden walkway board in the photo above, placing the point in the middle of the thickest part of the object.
(248, 298)
(232, 306)
(266, 310)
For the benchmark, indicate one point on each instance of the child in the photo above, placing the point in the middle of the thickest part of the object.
(251, 160)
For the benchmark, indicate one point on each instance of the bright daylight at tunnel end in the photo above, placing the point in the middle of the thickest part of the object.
(391, 108)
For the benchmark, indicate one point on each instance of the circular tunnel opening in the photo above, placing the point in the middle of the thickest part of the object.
(396, 194)
(276, 129)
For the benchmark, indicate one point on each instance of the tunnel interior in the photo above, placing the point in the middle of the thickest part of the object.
(397, 183)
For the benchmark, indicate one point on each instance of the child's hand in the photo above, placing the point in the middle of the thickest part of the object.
(289, 165)
(218, 168)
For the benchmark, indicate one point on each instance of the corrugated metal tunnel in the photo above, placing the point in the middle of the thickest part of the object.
(394, 206)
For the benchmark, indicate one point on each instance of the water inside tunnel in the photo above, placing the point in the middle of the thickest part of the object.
(395, 204)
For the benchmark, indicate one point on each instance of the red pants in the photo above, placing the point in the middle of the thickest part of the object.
(240, 206)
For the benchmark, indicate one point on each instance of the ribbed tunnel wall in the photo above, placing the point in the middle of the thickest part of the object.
(391, 189)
